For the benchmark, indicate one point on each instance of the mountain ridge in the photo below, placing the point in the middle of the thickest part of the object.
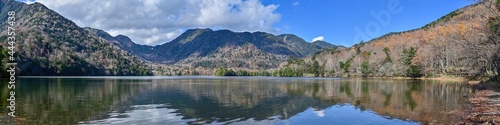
(196, 46)
(447, 46)
(52, 38)
(50, 44)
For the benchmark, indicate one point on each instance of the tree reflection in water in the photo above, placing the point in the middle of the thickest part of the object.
(195, 100)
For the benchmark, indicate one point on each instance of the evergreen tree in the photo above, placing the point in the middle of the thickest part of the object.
(315, 69)
(387, 57)
(322, 69)
(3, 59)
(346, 65)
(365, 68)
(413, 70)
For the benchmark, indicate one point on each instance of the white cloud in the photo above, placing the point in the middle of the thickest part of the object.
(28, 1)
(296, 3)
(320, 113)
(319, 38)
(154, 22)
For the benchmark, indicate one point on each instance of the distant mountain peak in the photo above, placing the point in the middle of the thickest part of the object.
(207, 44)
(289, 35)
(67, 49)
(318, 41)
(124, 39)
(323, 44)
(199, 30)
(98, 32)
(190, 34)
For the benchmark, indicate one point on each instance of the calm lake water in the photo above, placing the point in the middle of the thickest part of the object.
(233, 100)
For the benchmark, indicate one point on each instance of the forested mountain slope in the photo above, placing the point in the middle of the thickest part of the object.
(49, 44)
(209, 49)
(462, 43)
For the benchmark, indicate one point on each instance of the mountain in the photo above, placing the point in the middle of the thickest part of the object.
(462, 43)
(49, 44)
(210, 49)
(205, 42)
(57, 46)
(124, 42)
(323, 44)
(299, 45)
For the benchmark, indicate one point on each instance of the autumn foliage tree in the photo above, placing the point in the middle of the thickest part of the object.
(461, 43)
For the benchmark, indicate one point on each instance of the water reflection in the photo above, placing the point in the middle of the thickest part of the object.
(235, 100)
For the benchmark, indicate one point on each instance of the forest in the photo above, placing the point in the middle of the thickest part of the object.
(464, 43)
(48, 44)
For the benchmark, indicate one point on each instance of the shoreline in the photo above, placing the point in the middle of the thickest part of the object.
(442, 78)
(479, 109)
(450, 79)
(484, 107)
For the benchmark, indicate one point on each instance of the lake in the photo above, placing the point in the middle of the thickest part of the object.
(233, 100)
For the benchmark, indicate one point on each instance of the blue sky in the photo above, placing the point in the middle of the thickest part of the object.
(336, 19)
(340, 22)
